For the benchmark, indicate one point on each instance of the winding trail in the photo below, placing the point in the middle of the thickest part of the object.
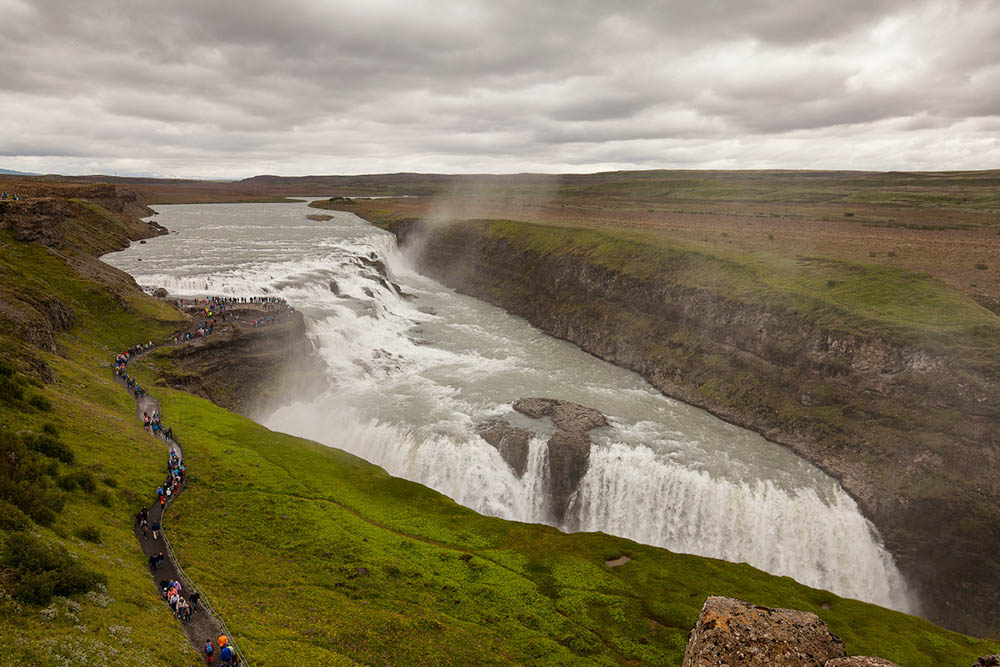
(205, 623)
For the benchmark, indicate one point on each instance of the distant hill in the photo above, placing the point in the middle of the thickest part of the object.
(11, 172)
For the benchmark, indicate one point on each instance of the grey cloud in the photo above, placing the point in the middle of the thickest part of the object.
(315, 86)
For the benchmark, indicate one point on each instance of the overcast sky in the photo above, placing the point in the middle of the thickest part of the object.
(232, 88)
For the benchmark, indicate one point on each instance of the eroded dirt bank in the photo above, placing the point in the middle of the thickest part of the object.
(911, 432)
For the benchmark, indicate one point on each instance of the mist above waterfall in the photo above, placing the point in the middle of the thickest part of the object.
(412, 367)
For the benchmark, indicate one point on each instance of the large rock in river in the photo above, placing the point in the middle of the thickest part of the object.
(510, 441)
(569, 450)
(565, 415)
(568, 458)
(733, 632)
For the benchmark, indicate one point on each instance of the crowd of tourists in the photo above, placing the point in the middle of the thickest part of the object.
(204, 329)
(8, 195)
(227, 656)
(121, 370)
(225, 308)
(183, 604)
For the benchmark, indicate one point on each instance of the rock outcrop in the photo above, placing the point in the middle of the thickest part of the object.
(567, 451)
(36, 220)
(565, 415)
(733, 632)
(860, 661)
(510, 441)
(248, 369)
(568, 458)
(988, 661)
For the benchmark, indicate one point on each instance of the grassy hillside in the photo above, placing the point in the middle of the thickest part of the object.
(114, 466)
(312, 554)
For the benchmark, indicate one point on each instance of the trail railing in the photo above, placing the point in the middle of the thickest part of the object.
(189, 584)
(202, 599)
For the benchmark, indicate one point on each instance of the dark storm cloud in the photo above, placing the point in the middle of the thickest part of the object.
(235, 88)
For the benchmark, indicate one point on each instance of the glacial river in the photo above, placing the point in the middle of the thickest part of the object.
(407, 380)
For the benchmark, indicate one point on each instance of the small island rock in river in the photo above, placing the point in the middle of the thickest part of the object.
(568, 451)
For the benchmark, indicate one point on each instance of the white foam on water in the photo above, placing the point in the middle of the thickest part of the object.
(409, 379)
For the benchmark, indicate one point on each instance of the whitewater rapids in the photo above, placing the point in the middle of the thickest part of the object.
(410, 372)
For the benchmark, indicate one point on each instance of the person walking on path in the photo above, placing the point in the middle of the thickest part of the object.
(164, 570)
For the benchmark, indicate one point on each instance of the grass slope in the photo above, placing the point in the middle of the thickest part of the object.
(311, 553)
(860, 298)
(126, 623)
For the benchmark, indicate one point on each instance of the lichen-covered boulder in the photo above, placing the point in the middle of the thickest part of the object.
(732, 632)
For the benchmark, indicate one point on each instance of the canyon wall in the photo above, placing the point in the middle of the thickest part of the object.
(910, 429)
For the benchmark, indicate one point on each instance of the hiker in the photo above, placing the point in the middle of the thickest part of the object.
(152, 562)
(226, 656)
(144, 527)
(193, 599)
(156, 530)
(209, 650)
(159, 560)
(223, 640)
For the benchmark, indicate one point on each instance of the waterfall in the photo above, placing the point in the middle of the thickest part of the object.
(411, 374)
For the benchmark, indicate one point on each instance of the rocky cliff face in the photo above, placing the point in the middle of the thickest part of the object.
(77, 223)
(247, 369)
(911, 432)
(95, 218)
